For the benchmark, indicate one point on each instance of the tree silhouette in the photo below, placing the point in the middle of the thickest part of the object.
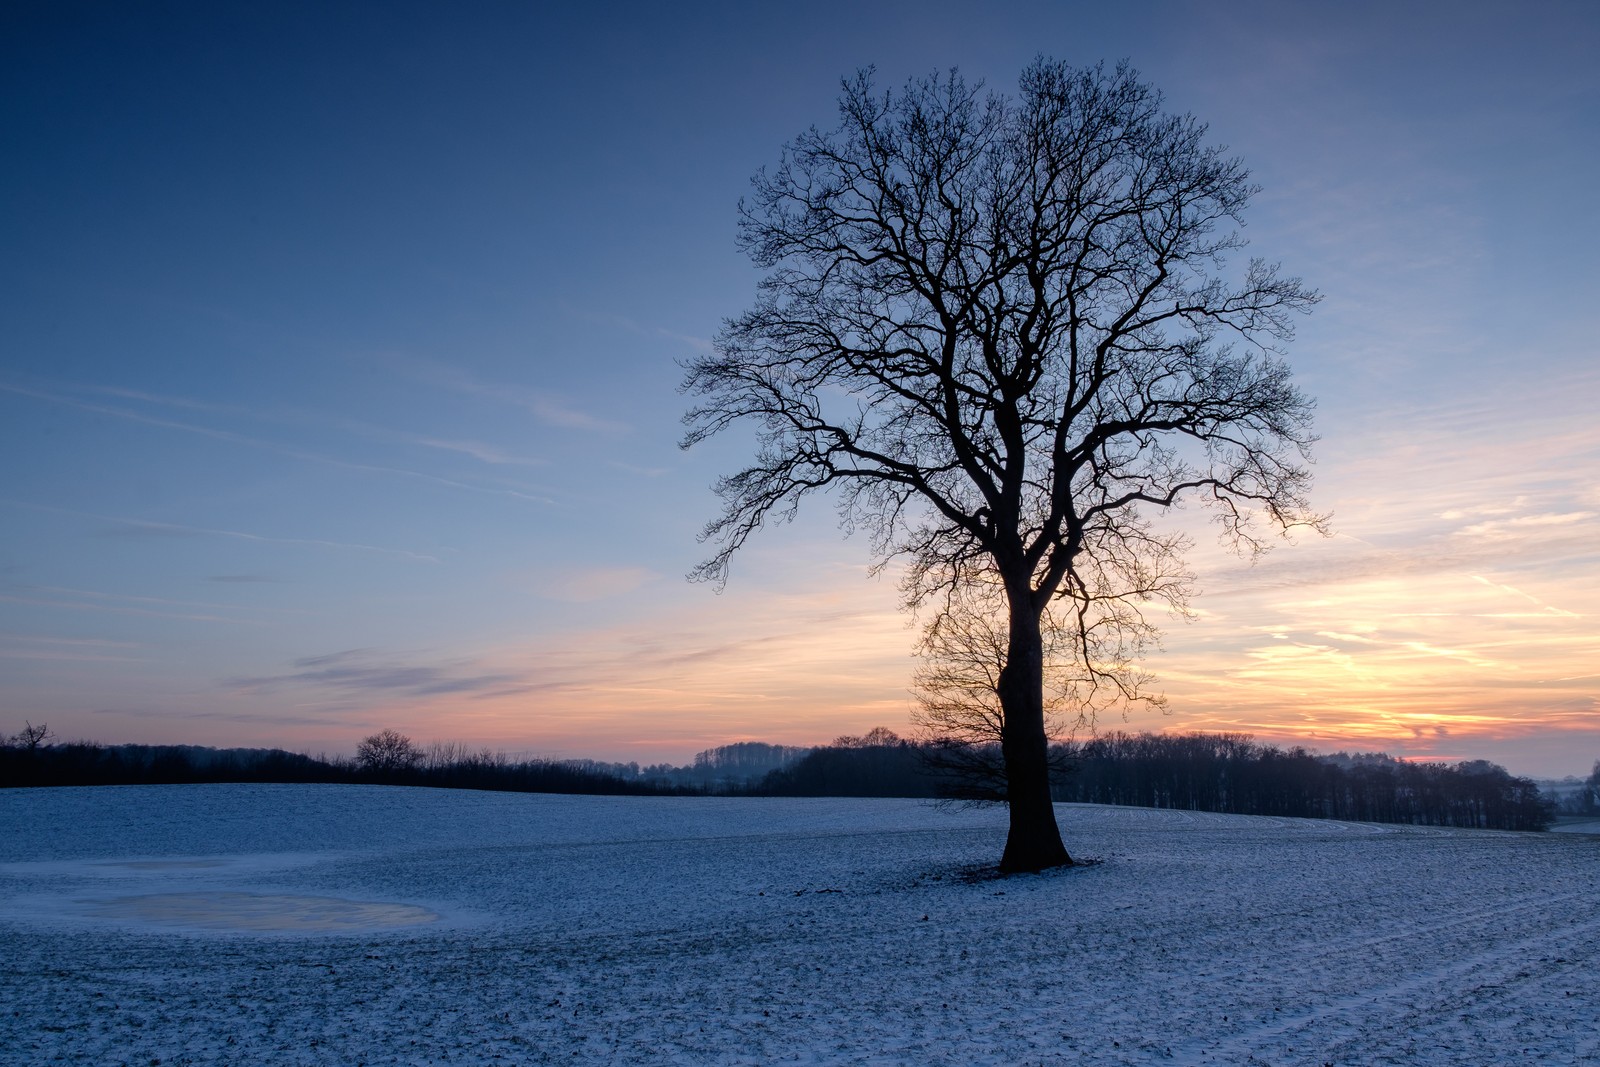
(31, 738)
(1000, 329)
(387, 752)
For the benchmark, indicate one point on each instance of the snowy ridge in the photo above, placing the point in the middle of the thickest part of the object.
(754, 931)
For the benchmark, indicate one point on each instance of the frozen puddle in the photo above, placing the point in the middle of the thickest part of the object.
(260, 912)
(201, 894)
(164, 865)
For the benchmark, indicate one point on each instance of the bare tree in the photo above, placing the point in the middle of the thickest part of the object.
(387, 751)
(958, 709)
(1092, 642)
(1001, 329)
(31, 737)
(877, 737)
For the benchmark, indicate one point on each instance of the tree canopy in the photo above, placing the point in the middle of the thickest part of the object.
(1003, 331)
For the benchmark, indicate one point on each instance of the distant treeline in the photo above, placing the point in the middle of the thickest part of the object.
(734, 768)
(31, 758)
(1232, 773)
(1573, 795)
(91, 764)
(1196, 772)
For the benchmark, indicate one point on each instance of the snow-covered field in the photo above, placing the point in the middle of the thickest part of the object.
(350, 924)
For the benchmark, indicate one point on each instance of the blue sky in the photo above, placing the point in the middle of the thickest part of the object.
(339, 354)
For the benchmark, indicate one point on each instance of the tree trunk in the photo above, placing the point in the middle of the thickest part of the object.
(1034, 840)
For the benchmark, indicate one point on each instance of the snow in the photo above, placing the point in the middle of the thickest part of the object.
(355, 924)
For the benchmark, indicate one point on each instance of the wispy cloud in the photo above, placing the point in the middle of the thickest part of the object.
(94, 600)
(586, 584)
(70, 642)
(623, 322)
(804, 665)
(1371, 655)
(699, 344)
(549, 408)
(290, 451)
(365, 670)
(66, 649)
(170, 529)
(1456, 597)
(276, 720)
(94, 594)
(64, 656)
(243, 535)
(1544, 609)
(646, 472)
(1507, 529)
(166, 399)
(479, 450)
(789, 666)
(69, 604)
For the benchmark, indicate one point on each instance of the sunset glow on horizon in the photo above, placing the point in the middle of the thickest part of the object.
(339, 383)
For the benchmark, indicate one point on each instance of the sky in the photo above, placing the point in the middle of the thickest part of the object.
(340, 347)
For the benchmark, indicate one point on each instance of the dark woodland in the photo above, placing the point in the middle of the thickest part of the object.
(1228, 773)
(86, 763)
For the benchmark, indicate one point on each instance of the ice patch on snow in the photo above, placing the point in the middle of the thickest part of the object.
(214, 895)
(163, 868)
(165, 865)
(260, 912)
